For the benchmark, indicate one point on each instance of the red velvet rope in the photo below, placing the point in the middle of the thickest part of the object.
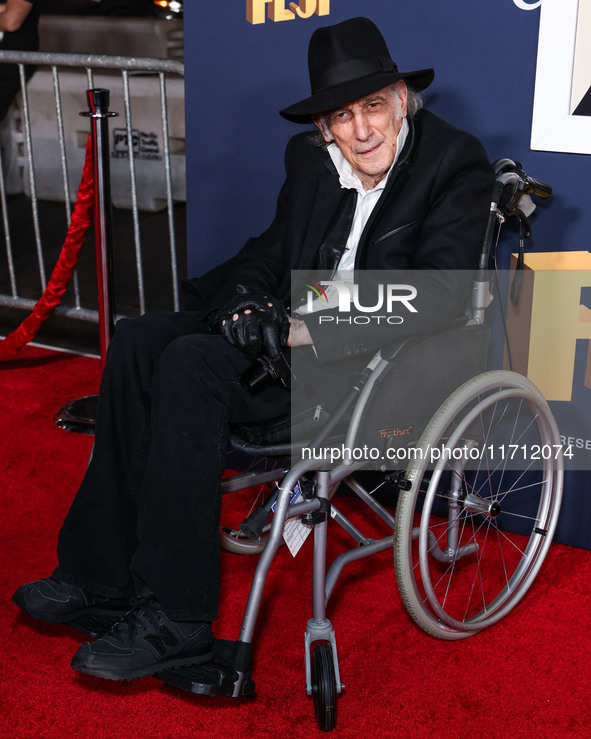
(63, 270)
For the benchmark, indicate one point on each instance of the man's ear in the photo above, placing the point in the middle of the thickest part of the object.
(402, 90)
(320, 123)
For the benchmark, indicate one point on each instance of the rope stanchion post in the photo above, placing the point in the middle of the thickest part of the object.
(80, 415)
(98, 104)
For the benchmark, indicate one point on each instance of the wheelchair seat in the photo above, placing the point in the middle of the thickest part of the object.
(399, 410)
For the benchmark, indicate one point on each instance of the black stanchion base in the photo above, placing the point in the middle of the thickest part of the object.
(78, 415)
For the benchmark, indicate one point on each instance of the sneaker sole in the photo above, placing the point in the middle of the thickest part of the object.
(93, 621)
(79, 665)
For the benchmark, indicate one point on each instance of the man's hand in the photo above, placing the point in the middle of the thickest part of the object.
(13, 13)
(257, 324)
(298, 334)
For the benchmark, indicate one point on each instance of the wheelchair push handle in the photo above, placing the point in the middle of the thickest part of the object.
(537, 187)
(511, 197)
(517, 186)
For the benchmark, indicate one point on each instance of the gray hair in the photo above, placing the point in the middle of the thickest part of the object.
(414, 103)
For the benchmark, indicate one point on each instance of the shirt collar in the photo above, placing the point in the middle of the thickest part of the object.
(347, 177)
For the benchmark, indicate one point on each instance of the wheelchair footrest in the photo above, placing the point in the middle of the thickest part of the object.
(210, 679)
(216, 679)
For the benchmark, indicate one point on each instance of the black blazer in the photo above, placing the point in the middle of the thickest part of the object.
(431, 216)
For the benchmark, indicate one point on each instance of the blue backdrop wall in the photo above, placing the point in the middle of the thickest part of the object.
(239, 73)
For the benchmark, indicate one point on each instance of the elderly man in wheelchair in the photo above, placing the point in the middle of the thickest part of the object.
(384, 186)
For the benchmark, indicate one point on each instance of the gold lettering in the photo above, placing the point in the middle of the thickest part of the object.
(305, 9)
(255, 10)
(544, 328)
(323, 7)
(278, 12)
(558, 321)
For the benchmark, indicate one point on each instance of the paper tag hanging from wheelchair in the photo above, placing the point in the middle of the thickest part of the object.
(295, 532)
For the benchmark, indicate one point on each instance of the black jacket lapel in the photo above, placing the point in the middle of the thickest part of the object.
(327, 200)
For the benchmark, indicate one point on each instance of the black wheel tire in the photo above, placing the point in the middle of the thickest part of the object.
(324, 688)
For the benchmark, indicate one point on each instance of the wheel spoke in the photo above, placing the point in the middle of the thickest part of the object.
(482, 519)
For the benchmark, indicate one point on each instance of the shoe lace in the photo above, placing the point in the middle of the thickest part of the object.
(144, 608)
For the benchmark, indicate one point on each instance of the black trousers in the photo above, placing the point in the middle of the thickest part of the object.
(147, 511)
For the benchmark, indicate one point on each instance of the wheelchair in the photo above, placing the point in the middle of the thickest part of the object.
(478, 481)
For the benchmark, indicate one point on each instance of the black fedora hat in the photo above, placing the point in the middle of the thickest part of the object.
(346, 62)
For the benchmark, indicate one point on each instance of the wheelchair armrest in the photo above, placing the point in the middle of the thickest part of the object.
(270, 450)
(390, 352)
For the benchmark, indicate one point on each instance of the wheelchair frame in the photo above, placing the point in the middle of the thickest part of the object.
(430, 548)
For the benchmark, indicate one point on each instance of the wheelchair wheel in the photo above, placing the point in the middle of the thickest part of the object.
(485, 489)
(324, 687)
(240, 500)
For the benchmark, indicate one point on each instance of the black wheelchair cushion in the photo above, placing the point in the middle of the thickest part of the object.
(419, 381)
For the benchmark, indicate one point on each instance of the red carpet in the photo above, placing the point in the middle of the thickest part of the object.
(528, 676)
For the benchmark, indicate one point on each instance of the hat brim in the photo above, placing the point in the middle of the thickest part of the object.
(338, 95)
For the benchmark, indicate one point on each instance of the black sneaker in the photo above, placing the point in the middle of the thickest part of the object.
(55, 601)
(144, 642)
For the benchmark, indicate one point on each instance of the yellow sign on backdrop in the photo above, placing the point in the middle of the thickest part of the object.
(549, 320)
(276, 10)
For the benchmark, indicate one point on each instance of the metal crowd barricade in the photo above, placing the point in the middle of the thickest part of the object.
(135, 146)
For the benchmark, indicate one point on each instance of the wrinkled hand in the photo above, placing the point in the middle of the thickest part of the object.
(257, 324)
(298, 334)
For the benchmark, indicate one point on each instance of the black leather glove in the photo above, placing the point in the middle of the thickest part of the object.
(256, 323)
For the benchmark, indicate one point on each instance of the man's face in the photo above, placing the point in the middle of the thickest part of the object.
(366, 131)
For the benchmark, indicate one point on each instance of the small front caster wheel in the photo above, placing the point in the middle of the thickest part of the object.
(324, 687)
